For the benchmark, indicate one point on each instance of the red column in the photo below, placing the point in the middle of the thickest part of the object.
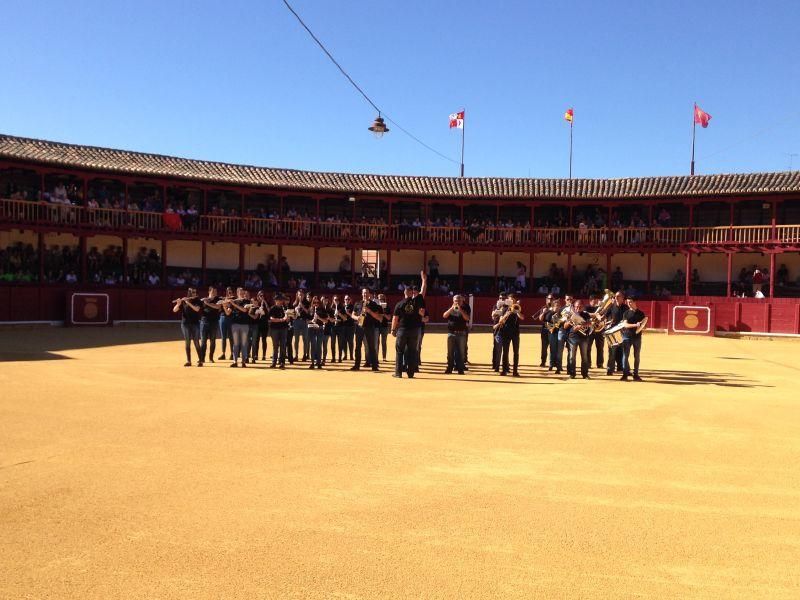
(164, 261)
(649, 268)
(316, 259)
(461, 268)
(203, 262)
(772, 269)
(730, 273)
(687, 287)
(353, 266)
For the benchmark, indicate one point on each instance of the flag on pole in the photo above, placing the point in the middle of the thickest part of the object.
(568, 116)
(457, 120)
(701, 117)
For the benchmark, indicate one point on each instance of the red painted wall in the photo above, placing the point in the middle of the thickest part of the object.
(49, 303)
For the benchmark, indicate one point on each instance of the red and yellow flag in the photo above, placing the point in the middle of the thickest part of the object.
(569, 115)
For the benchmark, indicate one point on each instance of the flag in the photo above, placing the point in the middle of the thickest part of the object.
(568, 116)
(701, 117)
(457, 120)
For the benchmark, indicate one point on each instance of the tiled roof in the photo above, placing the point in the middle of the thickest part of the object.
(123, 162)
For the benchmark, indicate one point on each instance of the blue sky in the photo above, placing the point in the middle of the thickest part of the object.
(242, 82)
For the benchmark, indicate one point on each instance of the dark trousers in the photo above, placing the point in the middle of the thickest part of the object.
(383, 338)
(316, 339)
(545, 335)
(555, 357)
(225, 332)
(279, 339)
(406, 348)
(598, 341)
(260, 340)
(628, 344)
(191, 335)
(510, 341)
(208, 338)
(348, 332)
(289, 339)
(333, 337)
(369, 338)
(456, 350)
(339, 334)
(466, 347)
(614, 359)
(497, 350)
(575, 345)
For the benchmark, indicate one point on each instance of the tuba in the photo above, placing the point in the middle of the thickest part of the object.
(599, 316)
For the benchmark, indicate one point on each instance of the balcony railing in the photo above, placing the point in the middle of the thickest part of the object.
(22, 213)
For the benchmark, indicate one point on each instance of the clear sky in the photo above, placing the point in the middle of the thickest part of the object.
(240, 81)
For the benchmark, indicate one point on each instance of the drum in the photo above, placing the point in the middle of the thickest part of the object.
(614, 335)
(642, 324)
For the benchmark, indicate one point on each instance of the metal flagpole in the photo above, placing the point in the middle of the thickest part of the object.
(570, 146)
(463, 127)
(694, 130)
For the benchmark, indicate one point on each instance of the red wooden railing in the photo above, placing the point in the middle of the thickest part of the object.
(21, 212)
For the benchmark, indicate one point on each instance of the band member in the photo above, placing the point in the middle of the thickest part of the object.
(262, 328)
(239, 312)
(278, 326)
(370, 312)
(420, 292)
(348, 329)
(209, 324)
(456, 335)
(468, 314)
(327, 331)
(508, 326)
(562, 332)
(190, 309)
(252, 327)
(613, 318)
(497, 342)
(383, 330)
(316, 327)
(337, 335)
(544, 333)
(551, 319)
(631, 340)
(225, 324)
(406, 325)
(596, 338)
(578, 340)
(300, 325)
(289, 309)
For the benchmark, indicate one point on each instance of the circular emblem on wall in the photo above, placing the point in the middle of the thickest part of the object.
(690, 321)
(90, 310)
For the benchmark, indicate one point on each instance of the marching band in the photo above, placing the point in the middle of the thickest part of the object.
(360, 330)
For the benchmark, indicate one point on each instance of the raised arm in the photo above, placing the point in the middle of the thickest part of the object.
(424, 287)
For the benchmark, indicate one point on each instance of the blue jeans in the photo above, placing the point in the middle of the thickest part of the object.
(315, 339)
(241, 344)
(208, 333)
(406, 349)
(191, 334)
(278, 337)
(225, 332)
(576, 343)
(456, 348)
(562, 343)
(627, 344)
(555, 357)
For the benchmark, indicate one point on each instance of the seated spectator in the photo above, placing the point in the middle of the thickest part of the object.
(153, 279)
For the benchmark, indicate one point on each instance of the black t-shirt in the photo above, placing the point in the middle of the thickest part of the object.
(632, 316)
(208, 313)
(371, 322)
(263, 320)
(511, 326)
(467, 311)
(551, 316)
(614, 314)
(239, 317)
(277, 312)
(407, 311)
(188, 315)
(304, 312)
(345, 315)
(457, 321)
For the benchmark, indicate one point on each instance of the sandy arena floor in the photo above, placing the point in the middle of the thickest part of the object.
(125, 475)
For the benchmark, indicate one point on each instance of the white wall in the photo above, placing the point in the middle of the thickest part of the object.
(543, 260)
(507, 263)
(479, 264)
(61, 239)
(184, 253)
(101, 242)
(301, 259)
(10, 238)
(711, 266)
(221, 255)
(664, 266)
(255, 255)
(408, 262)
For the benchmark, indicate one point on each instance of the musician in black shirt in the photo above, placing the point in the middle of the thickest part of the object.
(552, 317)
(544, 334)
(239, 313)
(631, 340)
(497, 341)
(300, 326)
(348, 329)
(190, 308)
(278, 325)
(316, 328)
(596, 338)
(456, 335)
(262, 328)
(406, 325)
(209, 324)
(508, 326)
(372, 314)
(578, 340)
(613, 318)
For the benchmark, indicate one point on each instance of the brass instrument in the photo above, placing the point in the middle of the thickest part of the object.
(599, 316)
(579, 324)
(563, 317)
(290, 313)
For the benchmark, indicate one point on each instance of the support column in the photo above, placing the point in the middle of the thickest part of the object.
(730, 273)
(163, 262)
(41, 257)
(649, 270)
(241, 263)
(460, 269)
(316, 260)
(124, 257)
(204, 262)
(353, 267)
(84, 270)
(569, 268)
(772, 269)
(688, 286)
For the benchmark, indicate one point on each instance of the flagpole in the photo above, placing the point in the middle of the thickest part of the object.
(570, 146)
(694, 130)
(463, 127)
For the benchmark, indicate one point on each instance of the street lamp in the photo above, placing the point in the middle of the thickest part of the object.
(378, 127)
